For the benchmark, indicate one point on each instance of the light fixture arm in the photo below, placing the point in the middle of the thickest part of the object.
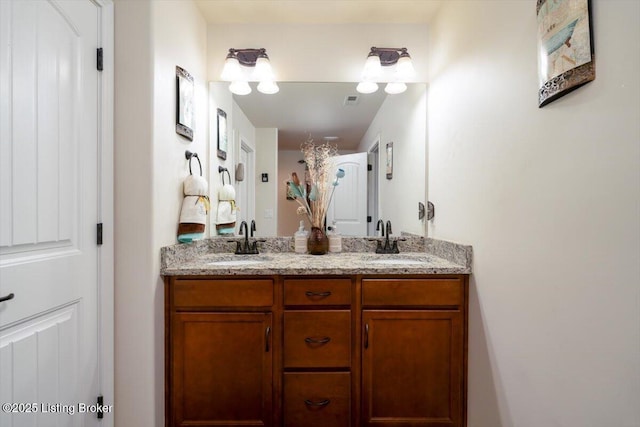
(247, 57)
(388, 55)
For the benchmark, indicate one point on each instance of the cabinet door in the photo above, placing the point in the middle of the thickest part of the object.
(412, 368)
(221, 369)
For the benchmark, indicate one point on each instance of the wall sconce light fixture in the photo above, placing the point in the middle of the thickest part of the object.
(383, 57)
(235, 71)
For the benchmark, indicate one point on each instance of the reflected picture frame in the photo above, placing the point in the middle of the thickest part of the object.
(222, 134)
(389, 161)
(565, 47)
(184, 103)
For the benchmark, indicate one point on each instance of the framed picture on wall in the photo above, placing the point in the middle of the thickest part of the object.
(222, 134)
(565, 47)
(389, 163)
(184, 103)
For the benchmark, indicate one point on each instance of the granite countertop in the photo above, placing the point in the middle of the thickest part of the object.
(212, 257)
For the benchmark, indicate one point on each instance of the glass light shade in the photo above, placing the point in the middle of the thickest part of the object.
(240, 87)
(394, 88)
(231, 70)
(367, 87)
(268, 87)
(372, 68)
(404, 68)
(263, 69)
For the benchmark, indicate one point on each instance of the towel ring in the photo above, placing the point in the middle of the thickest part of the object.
(222, 170)
(189, 155)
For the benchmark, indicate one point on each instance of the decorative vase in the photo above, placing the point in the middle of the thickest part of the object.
(318, 243)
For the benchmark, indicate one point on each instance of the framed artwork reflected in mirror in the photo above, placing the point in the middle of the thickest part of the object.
(222, 134)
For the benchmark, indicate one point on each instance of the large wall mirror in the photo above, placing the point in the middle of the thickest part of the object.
(267, 131)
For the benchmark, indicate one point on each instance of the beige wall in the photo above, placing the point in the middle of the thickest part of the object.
(550, 200)
(151, 39)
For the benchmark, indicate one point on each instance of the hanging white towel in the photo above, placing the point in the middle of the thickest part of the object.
(195, 206)
(195, 185)
(226, 212)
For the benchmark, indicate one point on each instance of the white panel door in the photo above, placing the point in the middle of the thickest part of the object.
(48, 212)
(349, 205)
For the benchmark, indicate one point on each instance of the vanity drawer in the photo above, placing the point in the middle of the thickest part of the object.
(317, 292)
(317, 399)
(317, 339)
(412, 292)
(223, 293)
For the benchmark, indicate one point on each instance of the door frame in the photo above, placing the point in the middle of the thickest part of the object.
(105, 294)
(249, 175)
(373, 191)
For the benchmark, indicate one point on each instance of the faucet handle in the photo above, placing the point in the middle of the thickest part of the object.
(254, 246)
(238, 245)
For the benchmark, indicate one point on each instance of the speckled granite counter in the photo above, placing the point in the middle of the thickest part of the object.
(418, 256)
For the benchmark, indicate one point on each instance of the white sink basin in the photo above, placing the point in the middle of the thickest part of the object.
(240, 262)
(399, 261)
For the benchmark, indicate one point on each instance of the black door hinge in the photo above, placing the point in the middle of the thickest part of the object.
(369, 167)
(369, 219)
(99, 234)
(99, 412)
(99, 64)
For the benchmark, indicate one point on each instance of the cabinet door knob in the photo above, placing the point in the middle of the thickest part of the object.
(312, 294)
(323, 340)
(366, 335)
(320, 403)
(267, 335)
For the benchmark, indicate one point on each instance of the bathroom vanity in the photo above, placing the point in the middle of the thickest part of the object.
(282, 339)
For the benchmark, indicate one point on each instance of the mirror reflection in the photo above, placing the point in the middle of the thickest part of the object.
(381, 140)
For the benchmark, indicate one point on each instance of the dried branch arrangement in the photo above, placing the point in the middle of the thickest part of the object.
(314, 195)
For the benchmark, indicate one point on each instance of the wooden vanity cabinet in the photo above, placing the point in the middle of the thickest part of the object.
(220, 352)
(317, 356)
(414, 352)
(312, 351)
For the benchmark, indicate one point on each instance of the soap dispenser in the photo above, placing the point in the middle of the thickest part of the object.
(335, 239)
(300, 240)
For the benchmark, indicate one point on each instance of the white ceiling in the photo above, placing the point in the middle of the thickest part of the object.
(300, 109)
(317, 109)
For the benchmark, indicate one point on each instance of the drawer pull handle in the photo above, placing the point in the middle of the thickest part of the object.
(320, 403)
(310, 340)
(312, 294)
(267, 336)
(366, 335)
(7, 298)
